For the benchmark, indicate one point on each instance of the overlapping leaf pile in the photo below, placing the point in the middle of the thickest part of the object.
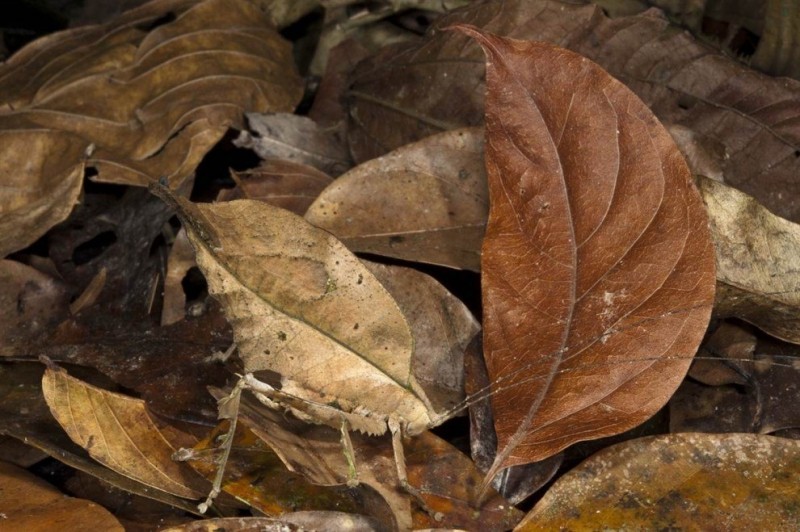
(485, 181)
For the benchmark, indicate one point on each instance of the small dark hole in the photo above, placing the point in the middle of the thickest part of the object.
(194, 284)
(797, 153)
(93, 247)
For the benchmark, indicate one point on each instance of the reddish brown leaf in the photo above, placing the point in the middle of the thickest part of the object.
(598, 269)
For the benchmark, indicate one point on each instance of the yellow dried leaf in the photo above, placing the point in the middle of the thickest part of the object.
(724, 481)
(118, 432)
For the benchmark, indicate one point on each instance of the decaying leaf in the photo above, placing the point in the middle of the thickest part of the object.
(598, 269)
(426, 202)
(134, 104)
(725, 481)
(118, 432)
(30, 503)
(285, 184)
(757, 257)
(295, 138)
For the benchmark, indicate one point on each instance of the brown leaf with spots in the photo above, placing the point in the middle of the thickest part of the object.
(598, 268)
(724, 481)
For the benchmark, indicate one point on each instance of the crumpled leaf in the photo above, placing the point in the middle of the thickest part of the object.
(757, 257)
(285, 184)
(295, 138)
(294, 293)
(181, 260)
(407, 93)
(598, 268)
(426, 202)
(725, 481)
(118, 432)
(132, 103)
(30, 503)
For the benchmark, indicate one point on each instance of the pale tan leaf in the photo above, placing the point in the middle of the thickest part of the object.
(118, 432)
(678, 481)
(289, 522)
(31, 504)
(303, 306)
(757, 261)
(425, 202)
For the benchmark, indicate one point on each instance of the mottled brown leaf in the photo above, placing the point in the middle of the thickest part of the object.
(118, 432)
(757, 261)
(598, 268)
(725, 482)
(30, 503)
(425, 202)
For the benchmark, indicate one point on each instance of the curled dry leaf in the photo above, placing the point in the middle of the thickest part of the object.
(285, 184)
(29, 503)
(757, 257)
(426, 202)
(132, 103)
(295, 138)
(288, 522)
(407, 93)
(725, 481)
(118, 432)
(598, 268)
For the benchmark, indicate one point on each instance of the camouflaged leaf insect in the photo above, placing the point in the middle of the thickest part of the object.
(304, 307)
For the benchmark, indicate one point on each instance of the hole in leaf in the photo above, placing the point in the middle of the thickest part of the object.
(194, 284)
(93, 248)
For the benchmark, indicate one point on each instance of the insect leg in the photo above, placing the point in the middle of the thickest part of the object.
(400, 462)
(349, 454)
